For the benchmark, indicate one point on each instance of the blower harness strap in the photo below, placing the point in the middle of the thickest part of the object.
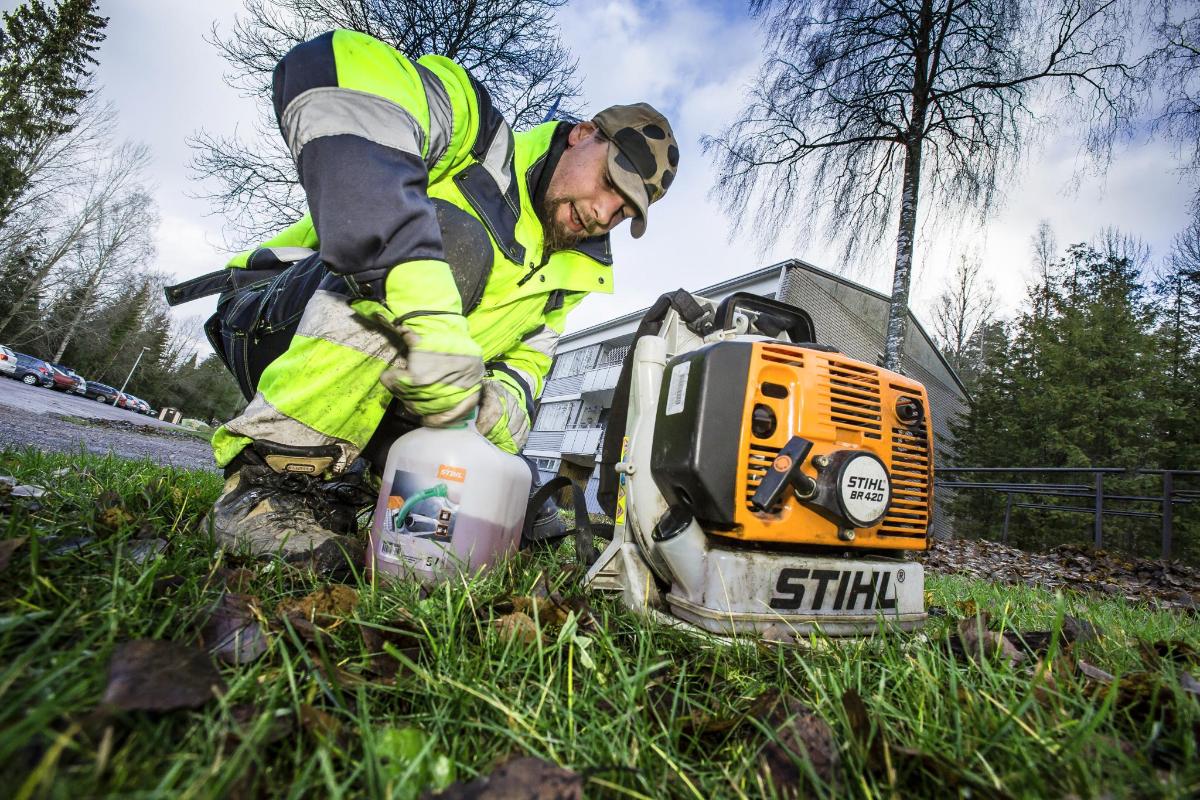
(699, 321)
(585, 547)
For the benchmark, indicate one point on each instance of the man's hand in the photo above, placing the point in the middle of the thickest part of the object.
(439, 379)
(502, 416)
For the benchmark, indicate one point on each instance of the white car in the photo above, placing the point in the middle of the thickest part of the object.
(8, 361)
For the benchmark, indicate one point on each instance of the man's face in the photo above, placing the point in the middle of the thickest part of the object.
(581, 200)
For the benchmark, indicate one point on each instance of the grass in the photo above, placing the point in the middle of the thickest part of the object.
(640, 710)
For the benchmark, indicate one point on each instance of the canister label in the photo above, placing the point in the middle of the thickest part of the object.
(423, 510)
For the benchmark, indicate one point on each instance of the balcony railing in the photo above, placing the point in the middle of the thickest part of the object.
(601, 382)
(582, 441)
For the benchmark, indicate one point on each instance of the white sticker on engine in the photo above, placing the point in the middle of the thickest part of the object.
(677, 389)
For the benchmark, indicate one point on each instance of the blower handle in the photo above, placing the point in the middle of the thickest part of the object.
(783, 473)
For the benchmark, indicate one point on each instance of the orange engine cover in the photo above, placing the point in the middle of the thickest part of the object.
(727, 409)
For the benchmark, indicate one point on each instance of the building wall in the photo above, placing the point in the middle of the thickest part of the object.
(847, 316)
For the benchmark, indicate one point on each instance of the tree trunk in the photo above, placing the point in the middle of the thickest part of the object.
(910, 193)
(80, 312)
(902, 277)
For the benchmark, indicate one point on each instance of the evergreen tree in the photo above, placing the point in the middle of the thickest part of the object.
(45, 61)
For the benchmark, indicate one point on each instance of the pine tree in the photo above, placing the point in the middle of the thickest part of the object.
(46, 56)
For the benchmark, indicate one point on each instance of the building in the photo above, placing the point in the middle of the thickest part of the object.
(575, 402)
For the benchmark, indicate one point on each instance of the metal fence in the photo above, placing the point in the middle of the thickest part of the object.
(1025, 494)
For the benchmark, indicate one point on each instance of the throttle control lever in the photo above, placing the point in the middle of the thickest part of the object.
(784, 473)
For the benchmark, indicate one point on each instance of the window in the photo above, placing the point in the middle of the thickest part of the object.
(614, 354)
(547, 464)
(554, 416)
(574, 362)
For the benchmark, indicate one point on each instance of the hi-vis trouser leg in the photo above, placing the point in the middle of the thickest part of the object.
(323, 390)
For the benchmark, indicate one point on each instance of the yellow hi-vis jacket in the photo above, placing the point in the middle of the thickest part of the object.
(391, 153)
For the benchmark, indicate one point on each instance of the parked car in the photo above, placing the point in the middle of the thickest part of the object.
(8, 362)
(136, 404)
(67, 379)
(101, 392)
(33, 371)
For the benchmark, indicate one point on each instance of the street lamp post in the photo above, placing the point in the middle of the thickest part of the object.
(136, 361)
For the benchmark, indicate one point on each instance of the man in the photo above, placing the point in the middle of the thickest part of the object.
(446, 253)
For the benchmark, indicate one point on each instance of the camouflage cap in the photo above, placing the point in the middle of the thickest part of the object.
(643, 155)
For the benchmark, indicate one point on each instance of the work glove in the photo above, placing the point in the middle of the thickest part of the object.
(438, 375)
(502, 416)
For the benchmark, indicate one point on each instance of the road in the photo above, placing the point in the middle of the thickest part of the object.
(45, 419)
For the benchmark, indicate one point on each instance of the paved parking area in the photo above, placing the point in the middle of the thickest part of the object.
(52, 420)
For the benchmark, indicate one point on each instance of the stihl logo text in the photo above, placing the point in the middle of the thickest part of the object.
(849, 590)
(457, 474)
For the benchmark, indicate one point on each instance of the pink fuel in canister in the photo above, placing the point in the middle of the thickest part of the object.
(451, 503)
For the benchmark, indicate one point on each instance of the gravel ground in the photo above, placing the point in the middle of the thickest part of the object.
(45, 419)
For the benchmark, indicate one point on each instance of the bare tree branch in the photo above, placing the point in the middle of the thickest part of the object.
(511, 46)
(863, 109)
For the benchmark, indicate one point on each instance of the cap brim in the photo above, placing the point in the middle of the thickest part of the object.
(633, 189)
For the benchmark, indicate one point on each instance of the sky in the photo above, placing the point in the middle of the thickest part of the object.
(693, 60)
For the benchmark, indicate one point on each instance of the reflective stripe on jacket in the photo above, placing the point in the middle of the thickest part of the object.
(412, 135)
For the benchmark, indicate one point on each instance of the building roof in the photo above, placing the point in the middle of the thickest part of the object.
(739, 281)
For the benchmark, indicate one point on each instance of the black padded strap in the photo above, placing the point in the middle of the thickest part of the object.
(585, 548)
(223, 280)
(694, 316)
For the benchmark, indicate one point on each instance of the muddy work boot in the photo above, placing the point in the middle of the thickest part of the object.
(277, 501)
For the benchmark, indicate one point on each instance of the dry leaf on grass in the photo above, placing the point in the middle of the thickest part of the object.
(330, 602)
(234, 632)
(7, 548)
(153, 675)
(519, 779)
(799, 735)
(979, 642)
(320, 724)
(237, 580)
(247, 717)
(402, 634)
(518, 624)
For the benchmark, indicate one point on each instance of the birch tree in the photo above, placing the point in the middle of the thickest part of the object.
(510, 46)
(865, 111)
(1175, 65)
(961, 315)
(72, 222)
(120, 241)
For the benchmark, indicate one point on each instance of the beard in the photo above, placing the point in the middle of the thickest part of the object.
(555, 235)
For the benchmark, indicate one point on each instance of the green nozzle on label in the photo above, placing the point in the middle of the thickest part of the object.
(425, 494)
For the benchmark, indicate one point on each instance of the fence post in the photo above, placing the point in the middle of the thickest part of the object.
(1168, 513)
(1007, 513)
(1098, 539)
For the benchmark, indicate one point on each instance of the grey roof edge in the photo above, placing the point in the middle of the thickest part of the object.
(763, 272)
(880, 296)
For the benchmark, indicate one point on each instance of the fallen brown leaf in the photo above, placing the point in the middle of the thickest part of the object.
(525, 778)
(869, 736)
(320, 723)
(237, 580)
(403, 634)
(518, 624)
(1094, 673)
(234, 632)
(332, 601)
(799, 735)
(154, 675)
(7, 548)
(979, 642)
